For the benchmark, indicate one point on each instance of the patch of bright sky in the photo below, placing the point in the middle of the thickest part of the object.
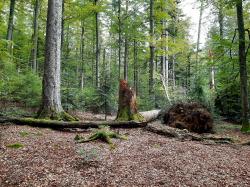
(191, 8)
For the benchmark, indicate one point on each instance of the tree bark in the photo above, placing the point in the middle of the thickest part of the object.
(35, 35)
(120, 38)
(127, 109)
(152, 50)
(82, 55)
(97, 48)
(51, 98)
(11, 25)
(243, 67)
(135, 67)
(126, 48)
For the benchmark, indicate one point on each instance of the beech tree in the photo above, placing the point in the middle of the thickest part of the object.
(51, 98)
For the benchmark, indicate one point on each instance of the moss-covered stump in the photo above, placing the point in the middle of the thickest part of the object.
(127, 110)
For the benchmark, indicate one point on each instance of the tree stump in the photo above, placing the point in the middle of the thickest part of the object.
(127, 109)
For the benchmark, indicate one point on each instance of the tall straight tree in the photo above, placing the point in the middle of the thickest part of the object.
(51, 98)
(243, 66)
(97, 47)
(35, 35)
(120, 37)
(82, 54)
(126, 46)
(199, 34)
(152, 49)
(11, 23)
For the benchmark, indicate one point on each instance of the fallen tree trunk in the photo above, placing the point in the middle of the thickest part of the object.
(149, 116)
(76, 124)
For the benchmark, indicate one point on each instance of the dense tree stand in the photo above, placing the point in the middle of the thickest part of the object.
(127, 110)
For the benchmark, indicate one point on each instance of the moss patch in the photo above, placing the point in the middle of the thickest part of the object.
(15, 145)
(245, 128)
(24, 133)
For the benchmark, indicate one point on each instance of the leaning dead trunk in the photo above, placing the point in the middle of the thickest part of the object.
(127, 110)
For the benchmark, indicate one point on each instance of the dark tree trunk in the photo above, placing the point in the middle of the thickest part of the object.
(127, 110)
(11, 24)
(97, 48)
(243, 66)
(35, 35)
(82, 55)
(126, 49)
(51, 98)
(152, 50)
(120, 37)
(135, 67)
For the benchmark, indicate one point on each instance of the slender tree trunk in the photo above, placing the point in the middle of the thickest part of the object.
(120, 37)
(11, 25)
(97, 48)
(82, 55)
(126, 49)
(51, 98)
(152, 50)
(67, 50)
(199, 34)
(93, 59)
(221, 20)
(35, 35)
(135, 67)
(243, 66)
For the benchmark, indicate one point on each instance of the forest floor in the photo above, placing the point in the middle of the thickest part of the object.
(44, 157)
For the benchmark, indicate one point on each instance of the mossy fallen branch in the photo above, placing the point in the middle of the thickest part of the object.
(75, 124)
(183, 134)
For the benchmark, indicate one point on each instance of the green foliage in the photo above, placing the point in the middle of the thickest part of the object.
(19, 87)
(24, 133)
(89, 155)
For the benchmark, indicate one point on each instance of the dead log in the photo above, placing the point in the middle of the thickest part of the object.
(127, 109)
(184, 134)
(76, 124)
(149, 116)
